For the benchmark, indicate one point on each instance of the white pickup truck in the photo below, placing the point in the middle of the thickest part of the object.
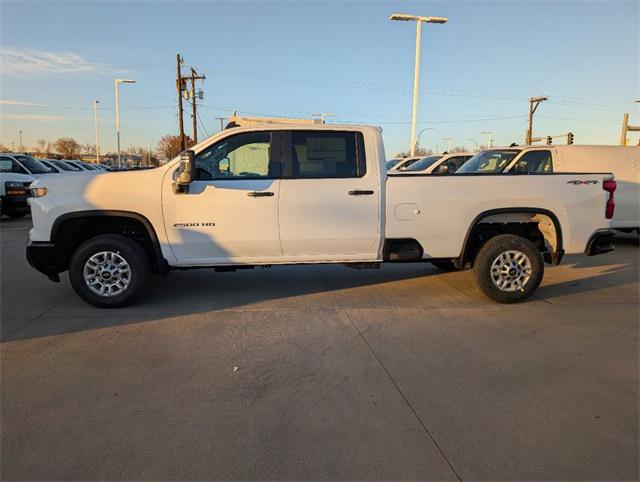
(300, 194)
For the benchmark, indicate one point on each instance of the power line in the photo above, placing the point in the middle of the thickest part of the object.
(202, 125)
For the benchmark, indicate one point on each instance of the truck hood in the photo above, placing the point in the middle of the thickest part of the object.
(102, 188)
(14, 176)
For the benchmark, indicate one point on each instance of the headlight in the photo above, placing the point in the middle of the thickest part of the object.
(38, 191)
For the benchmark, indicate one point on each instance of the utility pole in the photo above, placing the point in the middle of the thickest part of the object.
(179, 89)
(221, 119)
(192, 93)
(193, 105)
(534, 102)
(627, 128)
(20, 146)
(95, 121)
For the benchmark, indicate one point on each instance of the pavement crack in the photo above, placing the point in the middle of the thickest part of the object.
(35, 318)
(404, 397)
(395, 384)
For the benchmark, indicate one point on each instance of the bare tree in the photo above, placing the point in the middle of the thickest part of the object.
(42, 146)
(419, 152)
(67, 147)
(169, 146)
(89, 148)
(4, 148)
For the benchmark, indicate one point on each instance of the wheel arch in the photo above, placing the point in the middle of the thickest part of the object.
(506, 216)
(160, 263)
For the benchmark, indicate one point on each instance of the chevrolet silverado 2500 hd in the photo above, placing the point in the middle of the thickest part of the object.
(252, 196)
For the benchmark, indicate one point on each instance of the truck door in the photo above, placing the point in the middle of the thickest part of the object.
(329, 197)
(230, 214)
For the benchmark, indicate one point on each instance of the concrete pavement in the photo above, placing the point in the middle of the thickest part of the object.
(322, 372)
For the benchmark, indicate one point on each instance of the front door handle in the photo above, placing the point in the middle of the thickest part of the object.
(360, 192)
(259, 194)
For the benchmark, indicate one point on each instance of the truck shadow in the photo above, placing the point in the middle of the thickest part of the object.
(314, 287)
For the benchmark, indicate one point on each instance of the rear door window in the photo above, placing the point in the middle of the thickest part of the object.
(326, 154)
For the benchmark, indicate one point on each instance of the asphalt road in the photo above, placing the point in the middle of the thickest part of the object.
(322, 372)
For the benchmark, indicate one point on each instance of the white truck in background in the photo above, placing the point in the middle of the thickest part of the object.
(623, 162)
(14, 193)
(300, 194)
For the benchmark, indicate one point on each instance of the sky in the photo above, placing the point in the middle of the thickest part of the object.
(292, 59)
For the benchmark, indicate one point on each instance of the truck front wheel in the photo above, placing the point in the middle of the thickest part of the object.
(508, 268)
(109, 271)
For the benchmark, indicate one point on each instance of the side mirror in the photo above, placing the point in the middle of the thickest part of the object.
(186, 172)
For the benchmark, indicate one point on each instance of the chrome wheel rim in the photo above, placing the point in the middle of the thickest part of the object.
(511, 271)
(107, 274)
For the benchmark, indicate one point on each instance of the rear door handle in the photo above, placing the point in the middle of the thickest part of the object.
(259, 194)
(360, 192)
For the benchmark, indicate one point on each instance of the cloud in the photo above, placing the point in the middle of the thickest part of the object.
(27, 61)
(21, 104)
(42, 117)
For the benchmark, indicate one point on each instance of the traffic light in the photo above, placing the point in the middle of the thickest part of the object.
(549, 140)
(570, 138)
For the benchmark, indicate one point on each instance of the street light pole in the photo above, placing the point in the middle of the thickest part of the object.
(116, 82)
(95, 121)
(416, 81)
(476, 143)
(20, 146)
(416, 73)
(448, 139)
(420, 135)
(489, 139)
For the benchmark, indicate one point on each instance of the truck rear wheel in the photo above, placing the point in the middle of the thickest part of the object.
(109, 271)
(508, 268)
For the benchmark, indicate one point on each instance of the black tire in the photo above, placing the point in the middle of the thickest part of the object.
(129, 250)
(445, 265)
(489, 253)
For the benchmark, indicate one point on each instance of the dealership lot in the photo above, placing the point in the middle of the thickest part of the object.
(322, 372)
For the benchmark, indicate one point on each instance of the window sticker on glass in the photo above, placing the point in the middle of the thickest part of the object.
(327, 149)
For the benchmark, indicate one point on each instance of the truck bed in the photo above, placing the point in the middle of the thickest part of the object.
(438, 210)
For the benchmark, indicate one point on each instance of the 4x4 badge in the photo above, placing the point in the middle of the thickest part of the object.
(578, 182)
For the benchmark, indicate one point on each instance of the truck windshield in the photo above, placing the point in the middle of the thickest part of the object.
(34, 166)
(424, 163)
(391, 163)
(64, 166)
(488, 162)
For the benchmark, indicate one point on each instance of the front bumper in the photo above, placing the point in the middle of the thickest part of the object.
(43, 257)
(17, 205)
(600, 242)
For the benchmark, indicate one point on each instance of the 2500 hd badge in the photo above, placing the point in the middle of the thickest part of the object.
(192, 225)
